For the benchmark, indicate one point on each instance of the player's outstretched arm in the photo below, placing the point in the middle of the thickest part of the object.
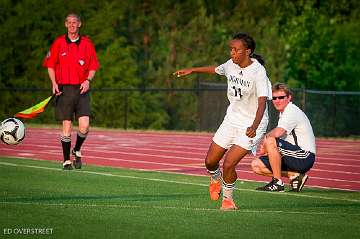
(203, 69)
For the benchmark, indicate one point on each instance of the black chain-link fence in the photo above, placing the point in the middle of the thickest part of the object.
(331, 113)
(196, 109)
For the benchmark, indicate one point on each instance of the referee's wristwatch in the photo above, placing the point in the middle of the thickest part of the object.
(89, 79)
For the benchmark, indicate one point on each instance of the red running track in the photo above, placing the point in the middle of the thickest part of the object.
(337, 165)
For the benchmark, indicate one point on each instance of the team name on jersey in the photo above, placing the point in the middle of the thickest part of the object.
(239, 81)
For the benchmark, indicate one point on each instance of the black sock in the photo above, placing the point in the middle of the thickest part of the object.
(79, 141)
(66, 145)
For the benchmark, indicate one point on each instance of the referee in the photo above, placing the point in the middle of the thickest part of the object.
(71, 64)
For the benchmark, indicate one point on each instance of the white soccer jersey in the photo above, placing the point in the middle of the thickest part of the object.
(295, 118)
(245, 85)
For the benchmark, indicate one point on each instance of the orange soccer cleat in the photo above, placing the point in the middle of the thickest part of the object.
(228, 205)
(214, 190)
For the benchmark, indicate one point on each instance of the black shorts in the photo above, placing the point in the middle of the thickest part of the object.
(71, 103)
(293, 158)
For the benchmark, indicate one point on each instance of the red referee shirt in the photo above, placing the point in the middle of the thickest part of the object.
(71, 61)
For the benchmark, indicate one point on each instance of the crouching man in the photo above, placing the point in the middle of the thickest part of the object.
(289, 149)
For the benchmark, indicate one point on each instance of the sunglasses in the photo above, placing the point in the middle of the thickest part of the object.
(279, 97)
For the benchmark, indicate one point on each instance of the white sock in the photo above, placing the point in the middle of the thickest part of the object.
(215, 175)
(228, 189)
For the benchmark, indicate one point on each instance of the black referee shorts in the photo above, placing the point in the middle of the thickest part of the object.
(71, 104)
(293, 158)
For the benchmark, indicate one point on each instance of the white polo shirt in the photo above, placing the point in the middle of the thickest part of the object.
(245, 85)
(294, 118)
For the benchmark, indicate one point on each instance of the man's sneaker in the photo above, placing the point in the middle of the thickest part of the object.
(77, 161)
(67, 165)
(214, 190)
(228, 205)
(272, 186)
(297, 183)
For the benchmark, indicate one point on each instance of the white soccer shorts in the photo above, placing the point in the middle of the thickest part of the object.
(228, 135)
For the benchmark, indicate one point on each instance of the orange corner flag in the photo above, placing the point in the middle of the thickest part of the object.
(33, 111)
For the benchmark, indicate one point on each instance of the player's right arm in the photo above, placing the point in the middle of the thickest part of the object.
(203, 69)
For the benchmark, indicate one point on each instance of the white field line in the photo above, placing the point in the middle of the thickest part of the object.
(124, 206)
(191, 165)
(172, 171)
(173, 181)
(176, 171)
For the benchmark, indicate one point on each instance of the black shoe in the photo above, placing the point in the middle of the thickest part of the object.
(272, 186)
(297, 184)
(67, 165)
(77, 161)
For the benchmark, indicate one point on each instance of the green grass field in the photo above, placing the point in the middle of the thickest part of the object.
(104, 202)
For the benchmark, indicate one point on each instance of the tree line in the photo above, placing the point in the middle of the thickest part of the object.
(312, 44)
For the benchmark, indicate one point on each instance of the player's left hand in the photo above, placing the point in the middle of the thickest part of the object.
(84, 87)
(250, 132)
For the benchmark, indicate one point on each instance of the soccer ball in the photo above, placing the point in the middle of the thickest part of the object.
(12, 131)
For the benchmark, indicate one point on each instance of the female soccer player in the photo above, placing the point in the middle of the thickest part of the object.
(246, 117)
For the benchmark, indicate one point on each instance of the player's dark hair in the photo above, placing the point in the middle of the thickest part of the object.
(282, 86)
(249, 43)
